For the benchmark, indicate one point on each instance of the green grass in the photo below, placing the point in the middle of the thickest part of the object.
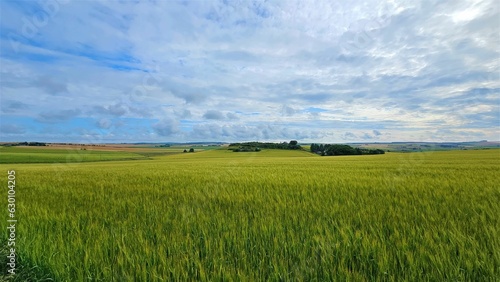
(271, 215)
(46, 155)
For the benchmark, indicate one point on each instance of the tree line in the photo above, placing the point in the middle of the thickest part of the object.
(257, 146)
(340, 149)
(25, 144)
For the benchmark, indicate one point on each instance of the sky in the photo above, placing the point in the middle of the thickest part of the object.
(242, 70)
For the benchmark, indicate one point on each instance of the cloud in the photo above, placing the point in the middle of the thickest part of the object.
(166, 127)
(57, 117)
(12, 129)
(319, 71)
(232, 116)
(243, 132)
(288, 111)
(184, 114)
(194, 97)
(213, 114)
(50, 85)
(367, 136)
(11, 106)
(104, 123)
(116, 110)
(350, 136)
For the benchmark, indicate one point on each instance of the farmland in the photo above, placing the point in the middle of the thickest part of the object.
(253, 216)
(77, 154)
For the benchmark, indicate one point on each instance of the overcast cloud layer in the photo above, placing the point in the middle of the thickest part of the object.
(321, 71)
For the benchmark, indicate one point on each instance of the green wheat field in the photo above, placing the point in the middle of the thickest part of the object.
(273, 215)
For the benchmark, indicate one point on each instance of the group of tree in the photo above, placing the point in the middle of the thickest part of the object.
(340, 149)
(257, 146)
(191, 150)
(245, 149)
(25, 144)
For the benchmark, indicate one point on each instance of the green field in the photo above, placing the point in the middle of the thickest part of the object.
(261, 216)
(77, 155)
(46, 155)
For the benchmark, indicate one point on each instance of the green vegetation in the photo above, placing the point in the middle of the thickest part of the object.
(245, 149)
(163, 146)
(37, 144)
(277, 215)
(256, 146)
(25, 271)
(340, 150)
(48, 155)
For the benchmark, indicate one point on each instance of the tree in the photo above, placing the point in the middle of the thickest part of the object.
(314, 148)
(185, 151)
(191, 150)
(293, 143)
(340, 149)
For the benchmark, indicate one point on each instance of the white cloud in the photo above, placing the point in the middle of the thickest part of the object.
(166, 127)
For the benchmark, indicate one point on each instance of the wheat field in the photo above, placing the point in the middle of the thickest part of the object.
(262, 216)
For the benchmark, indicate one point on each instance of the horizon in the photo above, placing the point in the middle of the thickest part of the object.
(96, 72)
(226, 142)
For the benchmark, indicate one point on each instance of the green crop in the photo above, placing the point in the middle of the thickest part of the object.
(46, 155)
(271, 215)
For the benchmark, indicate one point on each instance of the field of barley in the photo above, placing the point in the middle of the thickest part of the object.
(261, 216)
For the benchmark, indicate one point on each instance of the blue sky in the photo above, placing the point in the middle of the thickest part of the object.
(315, 71)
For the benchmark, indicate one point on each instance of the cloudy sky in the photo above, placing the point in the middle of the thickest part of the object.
(242, 70)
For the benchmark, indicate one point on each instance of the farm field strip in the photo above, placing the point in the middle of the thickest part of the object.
(272, 215)
(73, 154)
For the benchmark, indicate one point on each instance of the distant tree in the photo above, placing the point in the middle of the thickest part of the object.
(251, 146)
(314, 148)
(340, 149)
(185, 151)
(293, 145)
(191, 150)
